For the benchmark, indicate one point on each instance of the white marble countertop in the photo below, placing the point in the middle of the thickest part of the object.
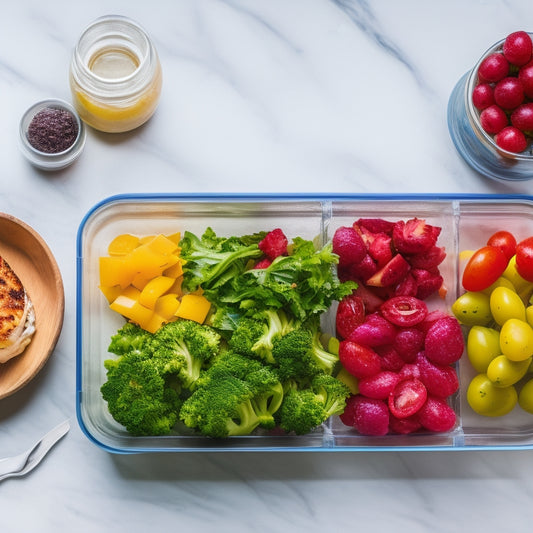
(279, 96)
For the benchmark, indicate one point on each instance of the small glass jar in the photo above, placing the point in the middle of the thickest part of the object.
(115, 75)
(476, 146)
(56, 147)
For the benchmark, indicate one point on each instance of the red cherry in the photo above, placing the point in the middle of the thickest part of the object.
(525, 75)
(493, 68)
(493, 119)
(511, 139)
(522, 118)
(483, 96)
(518, 48)
(509, 93)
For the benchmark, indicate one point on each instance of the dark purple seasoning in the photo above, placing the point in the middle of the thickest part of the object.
(52, 130)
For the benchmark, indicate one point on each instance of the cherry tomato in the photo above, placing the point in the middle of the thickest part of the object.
(506, 304)
(482, 346)
(505, 241)
(516, 339)
(472, 309)
(488, 400)
(358, 360)
(407, 398)
(525, 398)
(405, 311)
(350, 314)
(524, 258)
(484, 267)
(503, 372)
(511, 274)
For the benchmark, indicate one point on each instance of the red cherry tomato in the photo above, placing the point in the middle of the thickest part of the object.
(358, 360)
(524, 258)
(404, 311)
(505, 241)
(407, 398)
(484, 268)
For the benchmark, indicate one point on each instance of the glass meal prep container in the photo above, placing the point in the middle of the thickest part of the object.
(466, 221)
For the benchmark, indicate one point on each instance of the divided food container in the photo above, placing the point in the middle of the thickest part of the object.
(466, 222)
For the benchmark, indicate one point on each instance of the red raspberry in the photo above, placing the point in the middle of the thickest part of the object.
(274, 244)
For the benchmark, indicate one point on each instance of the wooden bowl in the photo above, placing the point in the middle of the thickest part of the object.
(31, 259)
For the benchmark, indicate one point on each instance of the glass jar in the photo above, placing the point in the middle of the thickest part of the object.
(115, 75)
(476, 146)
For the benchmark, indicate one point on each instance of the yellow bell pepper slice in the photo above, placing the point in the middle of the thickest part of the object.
(154, 323)
(115, 270)
(111, 293)
(193, 307)
(123, 244)
(175, 271)
(155, 288)
(167, 305)
(162, 245)
(132, 309)
(175, 237)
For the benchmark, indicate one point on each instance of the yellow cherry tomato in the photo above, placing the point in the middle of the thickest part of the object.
(488, 400)
(482, 346)
(516, 339)
(503, 372)
(525, 398)
(505, 304)
(500, 282)
(472, 309)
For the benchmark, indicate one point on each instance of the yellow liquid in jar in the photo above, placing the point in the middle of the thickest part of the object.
(120, 116)
(113, 63)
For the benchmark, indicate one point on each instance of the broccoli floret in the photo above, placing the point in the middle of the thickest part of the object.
(331, 392)
(305, 408)
(129, 338)
(221, 409)
(184, 348)
(255, 334)
(268, 395)
(233, 397)
(299, 353)
(292, 355)
(324, 359)
(300, 411)
(138, 397)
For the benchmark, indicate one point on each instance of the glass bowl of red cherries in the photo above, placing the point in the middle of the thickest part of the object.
(490, 111)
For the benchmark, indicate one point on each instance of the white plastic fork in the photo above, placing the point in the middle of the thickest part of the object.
(20, 465)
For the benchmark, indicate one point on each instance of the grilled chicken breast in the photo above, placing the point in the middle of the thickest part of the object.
(17, 316)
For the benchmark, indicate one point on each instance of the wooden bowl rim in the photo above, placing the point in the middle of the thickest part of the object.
(36, 354)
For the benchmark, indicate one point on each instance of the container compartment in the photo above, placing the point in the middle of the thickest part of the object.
(466, 223)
